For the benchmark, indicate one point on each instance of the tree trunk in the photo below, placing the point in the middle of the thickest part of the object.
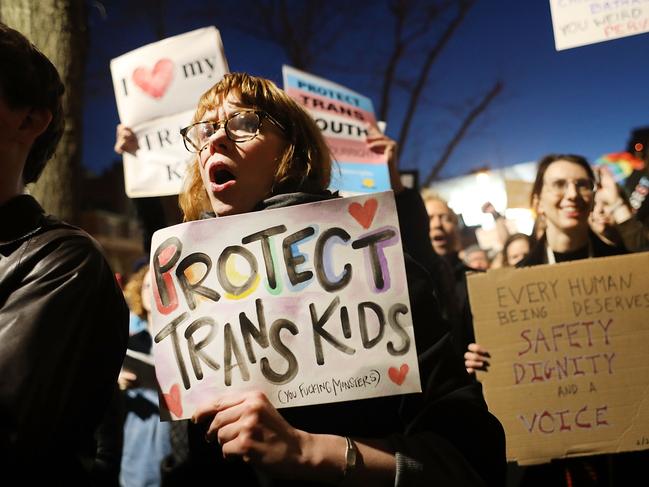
(58, 29)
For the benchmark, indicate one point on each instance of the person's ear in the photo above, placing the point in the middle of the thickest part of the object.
(34, 123)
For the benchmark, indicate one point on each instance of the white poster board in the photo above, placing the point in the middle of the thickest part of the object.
(308, 304)
(157, 88)
(581, 22)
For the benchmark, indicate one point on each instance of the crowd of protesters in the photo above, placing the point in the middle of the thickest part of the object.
(65, 327)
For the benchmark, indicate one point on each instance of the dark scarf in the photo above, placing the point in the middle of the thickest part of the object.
(284, 200)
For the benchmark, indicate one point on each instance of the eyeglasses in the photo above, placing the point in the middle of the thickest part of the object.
(584, 186)
(239, 127)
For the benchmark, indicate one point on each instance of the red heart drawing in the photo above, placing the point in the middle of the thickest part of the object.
(398, 376)
(156, 81)
(172, 400)
(364, 214)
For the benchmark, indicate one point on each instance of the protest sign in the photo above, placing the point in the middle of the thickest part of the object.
(157, 88)
(581, 22)
(344, 117)
(308, 304)
(568, 344)
(158, 168)
(518, 193)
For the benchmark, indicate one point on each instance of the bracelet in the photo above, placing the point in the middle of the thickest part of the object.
(350, 457)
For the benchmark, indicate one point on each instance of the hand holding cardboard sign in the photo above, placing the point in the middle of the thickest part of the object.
(476, 358)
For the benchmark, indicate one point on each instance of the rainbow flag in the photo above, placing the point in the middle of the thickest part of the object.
(621, 164)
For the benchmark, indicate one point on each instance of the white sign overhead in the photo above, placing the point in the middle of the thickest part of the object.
(157, 88)
(581, 22)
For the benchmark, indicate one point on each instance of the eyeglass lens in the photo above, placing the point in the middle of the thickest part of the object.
(239, 127)
(583, 186)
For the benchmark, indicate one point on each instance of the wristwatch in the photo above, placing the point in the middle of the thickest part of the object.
(350, 457)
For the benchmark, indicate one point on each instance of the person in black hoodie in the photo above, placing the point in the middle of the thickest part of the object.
(257, 149)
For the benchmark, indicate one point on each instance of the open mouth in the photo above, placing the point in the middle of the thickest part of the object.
(221, 176)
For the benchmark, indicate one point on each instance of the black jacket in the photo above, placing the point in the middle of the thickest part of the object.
(63, 333)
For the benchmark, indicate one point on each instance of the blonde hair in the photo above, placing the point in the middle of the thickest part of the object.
(305, 164)
(133, 292)
(430, 196)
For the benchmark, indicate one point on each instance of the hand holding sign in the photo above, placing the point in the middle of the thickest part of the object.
(247, 425)
(125, 140)
(379, 143)
(476, 358)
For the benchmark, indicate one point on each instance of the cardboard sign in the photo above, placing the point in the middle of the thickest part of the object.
(518, 193)
(308, 304)
(568, 344)
(157, 88)
(344, 117)
(581, 22)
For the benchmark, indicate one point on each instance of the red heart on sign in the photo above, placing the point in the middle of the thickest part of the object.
(398, 376)
(156, 81)
(172, 400)
(364, 214)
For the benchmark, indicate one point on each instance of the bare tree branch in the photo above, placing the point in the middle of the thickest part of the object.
(462, 130)
(463, 9)
(401, 11)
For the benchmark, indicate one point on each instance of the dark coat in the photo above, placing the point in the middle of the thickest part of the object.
(63, 333)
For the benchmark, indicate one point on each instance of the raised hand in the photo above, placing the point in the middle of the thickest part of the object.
(125, 140)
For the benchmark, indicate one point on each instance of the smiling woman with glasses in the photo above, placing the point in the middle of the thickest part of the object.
(563, 195)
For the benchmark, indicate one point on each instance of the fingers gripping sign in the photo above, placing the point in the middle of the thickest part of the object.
(125, 140)
(476, 358)
(380, 143)
(246, 425)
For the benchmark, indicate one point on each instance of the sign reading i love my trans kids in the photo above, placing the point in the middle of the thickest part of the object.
(308, 304)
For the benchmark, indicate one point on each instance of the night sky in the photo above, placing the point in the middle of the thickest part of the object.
(584, 100)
